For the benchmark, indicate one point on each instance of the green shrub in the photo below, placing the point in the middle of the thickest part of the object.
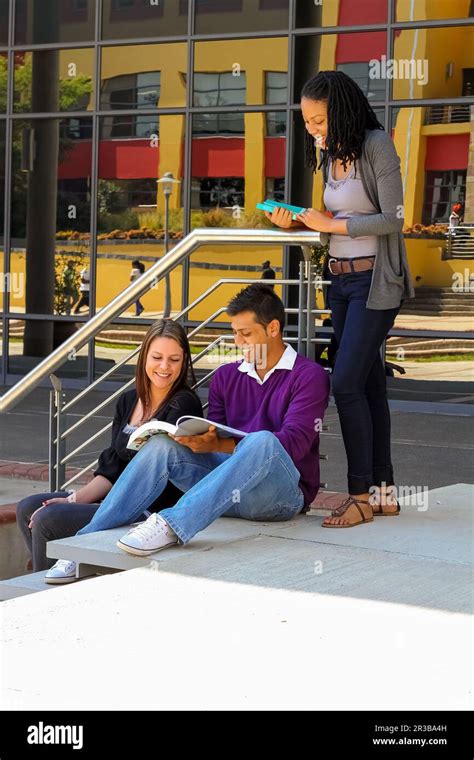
(125, 220)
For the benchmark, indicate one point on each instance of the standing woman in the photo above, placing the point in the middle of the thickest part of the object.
(368, 270)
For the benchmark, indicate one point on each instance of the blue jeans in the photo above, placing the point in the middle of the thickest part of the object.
(257, 482)
(358, 381)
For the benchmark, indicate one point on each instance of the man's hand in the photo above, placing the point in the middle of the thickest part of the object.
(200, 444)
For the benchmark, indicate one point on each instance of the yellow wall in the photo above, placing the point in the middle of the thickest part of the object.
(113, 276)
(424, 257)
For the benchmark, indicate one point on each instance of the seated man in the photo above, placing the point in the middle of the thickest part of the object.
(277, 396)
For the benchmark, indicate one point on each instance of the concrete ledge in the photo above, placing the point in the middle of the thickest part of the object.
(23, 585)
(100, 549)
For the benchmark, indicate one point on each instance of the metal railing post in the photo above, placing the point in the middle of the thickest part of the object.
(301, 302)
(52, 433)
(310, 346)
(57, 426)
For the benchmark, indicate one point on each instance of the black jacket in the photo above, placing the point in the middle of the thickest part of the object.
(114, 459)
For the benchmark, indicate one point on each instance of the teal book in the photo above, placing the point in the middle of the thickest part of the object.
(270, 206)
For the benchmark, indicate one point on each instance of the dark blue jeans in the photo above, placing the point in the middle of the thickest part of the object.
(358, 381)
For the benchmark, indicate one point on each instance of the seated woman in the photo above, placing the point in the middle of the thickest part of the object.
(161, 392)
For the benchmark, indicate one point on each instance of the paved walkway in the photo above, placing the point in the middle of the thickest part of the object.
(262, 616)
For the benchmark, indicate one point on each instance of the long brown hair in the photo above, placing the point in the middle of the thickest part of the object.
(162, 328)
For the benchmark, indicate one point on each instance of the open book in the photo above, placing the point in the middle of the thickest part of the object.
(186, 425)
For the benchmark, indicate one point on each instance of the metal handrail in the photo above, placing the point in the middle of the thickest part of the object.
(197, 238)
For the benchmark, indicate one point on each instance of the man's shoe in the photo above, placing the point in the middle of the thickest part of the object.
(63, 571)
(148, 537)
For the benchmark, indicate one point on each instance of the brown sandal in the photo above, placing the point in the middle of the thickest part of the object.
(378, 511)
(343, 508)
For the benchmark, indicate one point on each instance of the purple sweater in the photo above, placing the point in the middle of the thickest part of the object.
(290, 403)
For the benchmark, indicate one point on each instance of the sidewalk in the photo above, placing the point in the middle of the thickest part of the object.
(261, 616)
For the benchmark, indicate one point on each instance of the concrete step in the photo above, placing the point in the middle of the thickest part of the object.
(423, 312)
(415, 346)
(23, 585)
(454, 299)
(32, 583)
(431, 290)
(99, 550)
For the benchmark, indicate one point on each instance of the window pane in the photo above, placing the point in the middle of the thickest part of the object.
(134, 153)
(63, 80)
(217, 16)
(223, 168)
(276, 87)
(340, 13)
(356, 54)
(143, 76)
(50, 215)
(42, 21)
(122, 19)
(230, 175)
(432, 10)
(236, 72)
(3, 82)
(4, 8)
(219, 89)
(50, 228)
(419, 71)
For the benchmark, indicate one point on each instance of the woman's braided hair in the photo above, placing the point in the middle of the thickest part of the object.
(349, 115)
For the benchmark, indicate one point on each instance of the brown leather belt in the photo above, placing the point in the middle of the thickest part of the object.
(346, 266)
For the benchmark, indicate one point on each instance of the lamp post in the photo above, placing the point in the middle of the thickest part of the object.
(167, 180)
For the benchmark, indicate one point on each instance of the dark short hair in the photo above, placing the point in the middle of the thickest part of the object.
(262, 301)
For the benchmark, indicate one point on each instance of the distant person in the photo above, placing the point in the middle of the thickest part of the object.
(456, 216)
(268, 273)
(138, 269)
(461, 237)
(84, 289)
(69, 285)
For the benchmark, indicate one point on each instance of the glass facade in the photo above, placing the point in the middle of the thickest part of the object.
(99, 98)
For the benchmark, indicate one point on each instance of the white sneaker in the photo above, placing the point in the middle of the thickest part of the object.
(148, 537)
(63, 571)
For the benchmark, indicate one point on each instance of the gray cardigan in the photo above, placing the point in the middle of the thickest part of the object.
(379, 168)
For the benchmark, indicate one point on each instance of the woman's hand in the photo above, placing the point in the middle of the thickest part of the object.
(200, 444)
(315, 220)
(56, 500)
(281, 217)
